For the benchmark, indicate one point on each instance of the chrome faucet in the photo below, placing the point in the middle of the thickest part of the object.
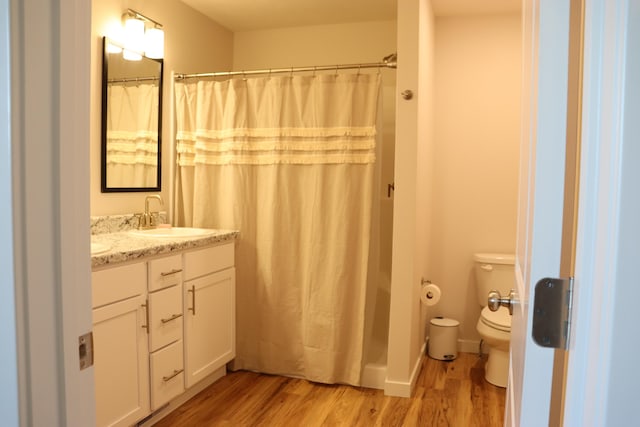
(149, 219)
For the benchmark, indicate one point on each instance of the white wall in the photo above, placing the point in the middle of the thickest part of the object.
(412, 207)
(193, 43)
(477, 127)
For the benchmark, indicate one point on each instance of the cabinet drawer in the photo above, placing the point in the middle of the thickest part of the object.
(167, 374)
(165, 272)
(118, 283)
(165, 317)
(205, 261)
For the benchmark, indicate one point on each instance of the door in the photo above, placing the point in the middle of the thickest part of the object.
(601, 231)
(546, 26)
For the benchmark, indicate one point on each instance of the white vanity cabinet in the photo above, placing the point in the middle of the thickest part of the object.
(209, 311)
(121, 367)
(151, 342)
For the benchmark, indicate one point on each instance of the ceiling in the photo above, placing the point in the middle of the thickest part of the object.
(246, 15)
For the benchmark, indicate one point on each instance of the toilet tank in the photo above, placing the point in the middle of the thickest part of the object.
(493, 272)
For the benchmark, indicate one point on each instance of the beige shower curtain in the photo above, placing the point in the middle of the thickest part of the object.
(288, 161)
(132, 135)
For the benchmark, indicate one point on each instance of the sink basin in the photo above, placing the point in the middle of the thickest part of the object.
(174, 232)
(99, 248)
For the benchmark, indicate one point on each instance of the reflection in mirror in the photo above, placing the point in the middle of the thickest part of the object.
(131, 123)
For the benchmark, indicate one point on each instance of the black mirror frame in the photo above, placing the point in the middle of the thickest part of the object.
(103, 149)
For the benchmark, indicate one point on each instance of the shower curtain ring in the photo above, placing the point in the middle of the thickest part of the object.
(359, 66)
(315, 68)
(291, 73)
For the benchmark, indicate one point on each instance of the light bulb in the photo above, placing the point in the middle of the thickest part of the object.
(134, 39)
(154, 43)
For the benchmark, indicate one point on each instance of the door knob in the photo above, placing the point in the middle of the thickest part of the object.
(496, 300)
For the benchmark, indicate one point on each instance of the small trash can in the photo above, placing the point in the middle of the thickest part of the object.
(443, 338)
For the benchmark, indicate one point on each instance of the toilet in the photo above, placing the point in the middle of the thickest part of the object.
(495, 272)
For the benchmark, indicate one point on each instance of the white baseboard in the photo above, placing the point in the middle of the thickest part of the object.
(402, 388)
(467, 346)
(470, 346)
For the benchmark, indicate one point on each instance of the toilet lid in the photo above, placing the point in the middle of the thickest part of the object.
(500, 319)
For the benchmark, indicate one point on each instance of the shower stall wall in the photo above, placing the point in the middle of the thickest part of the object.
(379, 289)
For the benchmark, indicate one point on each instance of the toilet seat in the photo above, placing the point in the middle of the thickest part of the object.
(500, 320)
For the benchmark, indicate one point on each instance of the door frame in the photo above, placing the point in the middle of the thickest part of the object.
(606, 33)
(9, 404)
(50, 113)
(589, 385)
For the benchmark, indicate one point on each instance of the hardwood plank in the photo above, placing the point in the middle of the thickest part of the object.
(450, 393)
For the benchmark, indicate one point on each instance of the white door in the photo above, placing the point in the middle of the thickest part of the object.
(541, 201)
(599, 386)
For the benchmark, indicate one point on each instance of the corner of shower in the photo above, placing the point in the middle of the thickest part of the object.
(378, 298)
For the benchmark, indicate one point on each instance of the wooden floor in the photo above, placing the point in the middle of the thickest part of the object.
(446, 394)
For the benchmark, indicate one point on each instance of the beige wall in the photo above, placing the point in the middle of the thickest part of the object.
(193, 43)
(477, 97)
(314, 45)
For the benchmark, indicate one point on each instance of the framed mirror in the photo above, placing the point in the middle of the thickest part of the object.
(131, 122)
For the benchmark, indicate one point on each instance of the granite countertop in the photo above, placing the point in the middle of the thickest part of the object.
(125, 246)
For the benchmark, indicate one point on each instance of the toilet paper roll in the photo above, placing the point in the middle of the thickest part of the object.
(430, 294)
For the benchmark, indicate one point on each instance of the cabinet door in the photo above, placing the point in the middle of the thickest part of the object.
(121, 367)
(210, 327)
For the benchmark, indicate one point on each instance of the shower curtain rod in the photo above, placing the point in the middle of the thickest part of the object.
(133, 79)
(389, 61)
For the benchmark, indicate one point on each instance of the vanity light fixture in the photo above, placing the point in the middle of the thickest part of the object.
(154, 43)
(142, 36)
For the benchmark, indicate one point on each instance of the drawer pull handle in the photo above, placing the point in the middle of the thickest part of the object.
(193, 299)
(146, 314)
(169, 273)
(176, 372)
(173, 317)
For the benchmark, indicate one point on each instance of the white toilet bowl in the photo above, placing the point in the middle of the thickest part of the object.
(495, 330)
(495, 271)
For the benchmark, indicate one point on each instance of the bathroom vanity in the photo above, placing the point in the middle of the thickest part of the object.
(163, 319)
